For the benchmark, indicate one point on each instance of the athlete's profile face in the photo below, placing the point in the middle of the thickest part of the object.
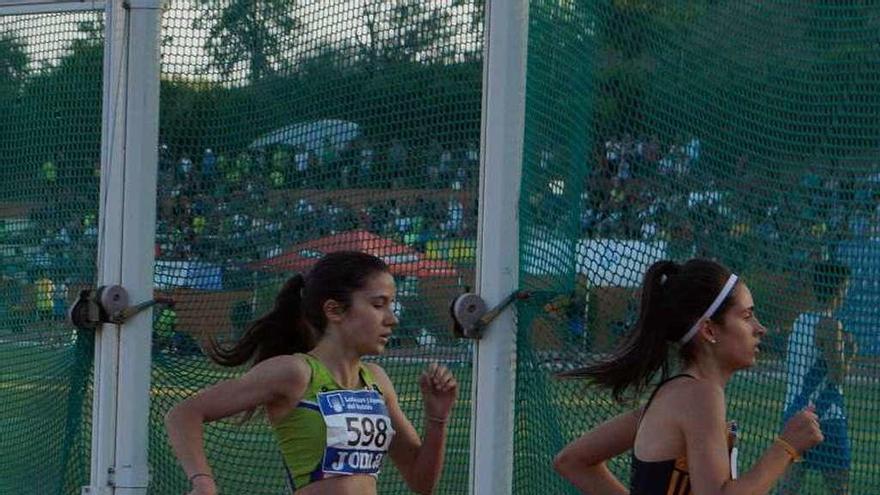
(741, 333)
(370, 319)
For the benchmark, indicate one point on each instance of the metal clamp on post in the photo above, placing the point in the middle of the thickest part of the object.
(470, 315)
(109, 304)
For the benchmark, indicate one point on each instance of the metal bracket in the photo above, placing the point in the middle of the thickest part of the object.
(128, 477)
(470, 314)
(109, 304)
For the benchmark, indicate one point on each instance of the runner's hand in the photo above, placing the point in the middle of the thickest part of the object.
(439, 390)
(802, 430)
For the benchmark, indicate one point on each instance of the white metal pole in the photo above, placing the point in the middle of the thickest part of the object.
(503, 120)
(138, 240)
(125, 252)
(109, 250)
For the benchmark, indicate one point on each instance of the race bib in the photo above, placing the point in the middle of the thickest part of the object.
(358, 431)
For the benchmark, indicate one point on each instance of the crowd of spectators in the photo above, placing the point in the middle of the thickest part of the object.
(641, 189)
(261, 201)
(48, 252)
(232, 209)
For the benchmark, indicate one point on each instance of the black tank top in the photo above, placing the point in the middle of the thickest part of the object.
(668, 477)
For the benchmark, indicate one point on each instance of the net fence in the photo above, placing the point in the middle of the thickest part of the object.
(292, 129)
(50, 131)
(740, 131)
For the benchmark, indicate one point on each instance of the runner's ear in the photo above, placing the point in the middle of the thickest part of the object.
(333, 311)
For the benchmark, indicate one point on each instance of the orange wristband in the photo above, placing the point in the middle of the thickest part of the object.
(200, 475)
(789, 449)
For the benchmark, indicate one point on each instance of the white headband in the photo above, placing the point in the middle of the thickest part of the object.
(725, 291)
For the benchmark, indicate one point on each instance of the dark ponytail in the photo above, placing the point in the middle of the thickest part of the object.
(280, 331)
(673, 297)
(297, 321)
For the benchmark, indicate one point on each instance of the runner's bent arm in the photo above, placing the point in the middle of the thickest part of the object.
(583, 461)
(705, 429)
(420, 461)
(277, 383)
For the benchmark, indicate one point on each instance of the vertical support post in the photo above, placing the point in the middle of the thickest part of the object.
(109, 251)
(138, 241)
(129, 157)
(503, 121)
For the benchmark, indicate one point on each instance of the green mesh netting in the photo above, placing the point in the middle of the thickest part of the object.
(291, 129)
(741, 131)
(50, 130)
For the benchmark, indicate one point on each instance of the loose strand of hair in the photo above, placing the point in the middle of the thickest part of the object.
(280, 331)
(644, 352)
